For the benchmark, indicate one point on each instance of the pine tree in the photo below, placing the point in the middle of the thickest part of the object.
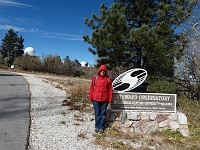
(12, 46)
(139, 33)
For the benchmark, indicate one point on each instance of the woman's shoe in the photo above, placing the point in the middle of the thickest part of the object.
(101, 131)
(96, 130)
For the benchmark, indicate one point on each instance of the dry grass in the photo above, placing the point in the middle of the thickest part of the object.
(77, 90)
(112, 138)
(162, 140)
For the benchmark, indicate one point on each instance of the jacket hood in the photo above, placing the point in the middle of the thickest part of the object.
(103, 67)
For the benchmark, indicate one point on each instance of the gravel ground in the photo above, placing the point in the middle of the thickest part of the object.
(53, 126)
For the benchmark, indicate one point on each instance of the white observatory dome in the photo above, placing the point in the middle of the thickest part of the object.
(29, 51)
(83, 64)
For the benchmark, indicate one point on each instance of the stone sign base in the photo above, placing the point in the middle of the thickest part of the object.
(147, 122)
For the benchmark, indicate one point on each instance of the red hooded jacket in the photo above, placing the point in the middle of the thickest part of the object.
(101, 89)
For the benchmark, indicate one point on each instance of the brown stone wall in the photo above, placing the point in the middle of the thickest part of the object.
(147, 122)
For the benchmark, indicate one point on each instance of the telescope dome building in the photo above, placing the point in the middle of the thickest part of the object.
(29, 51)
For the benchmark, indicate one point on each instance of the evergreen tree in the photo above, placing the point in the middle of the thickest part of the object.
(52, 64)
(139, 33)
(67, 69)
(76, 70)
(12, 46)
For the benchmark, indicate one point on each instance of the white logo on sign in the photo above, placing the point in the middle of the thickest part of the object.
(131, 78)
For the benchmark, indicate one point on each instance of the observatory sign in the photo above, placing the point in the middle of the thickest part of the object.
(125, 99)
(144, 102)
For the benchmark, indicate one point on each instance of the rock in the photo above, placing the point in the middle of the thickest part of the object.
(124, 117)
(149, 127)
(115, 125)
(161, 117)
(108, 115)
(112, 117)
(182, 118)
(152, 116)
(119, 116)
(147, 122)
(164, 123)
(145, 116)
(137, 129)
(184, 130)
(126, 130)
(127, 124)
(174, 125)
(173, 117)
(135, 116)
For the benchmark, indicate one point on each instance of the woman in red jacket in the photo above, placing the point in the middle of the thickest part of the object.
(100, 94)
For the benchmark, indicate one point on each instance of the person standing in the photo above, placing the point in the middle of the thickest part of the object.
(100, 94)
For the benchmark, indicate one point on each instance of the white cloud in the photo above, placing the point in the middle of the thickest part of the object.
(5, 24)
(13, 3)
(67, 37)
(8, 27)
(52, 35)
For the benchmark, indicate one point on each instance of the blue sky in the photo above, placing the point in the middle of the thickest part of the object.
(51, 27)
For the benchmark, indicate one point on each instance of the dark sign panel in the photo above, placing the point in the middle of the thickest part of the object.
(156, 102)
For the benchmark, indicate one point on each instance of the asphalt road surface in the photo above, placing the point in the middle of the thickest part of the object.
(14, 111)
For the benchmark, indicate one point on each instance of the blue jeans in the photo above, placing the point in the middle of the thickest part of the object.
(100, 114)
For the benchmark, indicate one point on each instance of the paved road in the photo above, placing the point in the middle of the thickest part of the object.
(14, 111)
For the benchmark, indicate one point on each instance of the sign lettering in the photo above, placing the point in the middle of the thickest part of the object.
(144, 102)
